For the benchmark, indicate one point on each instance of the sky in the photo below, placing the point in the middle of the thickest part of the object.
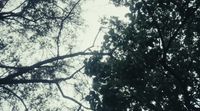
(93, 11)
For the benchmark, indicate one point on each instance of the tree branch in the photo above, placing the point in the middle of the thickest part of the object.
(19, 6)
(70, 98)
(53, 59)
(62, 25)
(94, 40)
(3, 5)
(25, 81)
(11, 67)
(9, 90)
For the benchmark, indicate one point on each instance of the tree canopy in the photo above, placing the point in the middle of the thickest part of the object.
(154, 59)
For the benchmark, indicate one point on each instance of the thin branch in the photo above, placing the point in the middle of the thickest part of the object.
(9, 90)
(10, 67)
(18, 6)
(70, 98)
(79, 108)
(62, 25)
(74, 73)
(59, 7)
(94, 40)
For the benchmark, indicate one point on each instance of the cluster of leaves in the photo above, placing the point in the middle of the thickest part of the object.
(155, 59)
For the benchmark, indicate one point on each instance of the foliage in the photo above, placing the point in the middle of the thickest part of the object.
(154, 61)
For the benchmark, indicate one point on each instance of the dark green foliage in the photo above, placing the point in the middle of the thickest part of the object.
(155, 59)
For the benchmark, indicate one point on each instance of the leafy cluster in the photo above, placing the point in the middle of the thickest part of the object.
(155, 59)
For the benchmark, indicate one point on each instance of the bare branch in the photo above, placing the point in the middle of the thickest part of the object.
(79, 108)
(70, 98)
(10, 67)
(74, 73)
(19, 6)
(94, 40)
(14, 94)
(62, 25)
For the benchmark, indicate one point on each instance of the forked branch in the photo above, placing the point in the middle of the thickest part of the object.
(70, 98)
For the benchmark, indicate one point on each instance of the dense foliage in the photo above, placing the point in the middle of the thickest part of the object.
(154, 60)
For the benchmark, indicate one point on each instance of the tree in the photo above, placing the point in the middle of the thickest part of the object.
(154, 61)
(36, 56)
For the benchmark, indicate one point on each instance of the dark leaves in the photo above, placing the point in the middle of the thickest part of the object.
(142, 74)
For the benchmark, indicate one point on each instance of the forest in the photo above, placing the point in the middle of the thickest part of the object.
(150, 63)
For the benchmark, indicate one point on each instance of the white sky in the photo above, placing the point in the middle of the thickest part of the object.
(93, 11)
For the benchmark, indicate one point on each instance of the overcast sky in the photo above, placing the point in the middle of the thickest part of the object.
(93, 11)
